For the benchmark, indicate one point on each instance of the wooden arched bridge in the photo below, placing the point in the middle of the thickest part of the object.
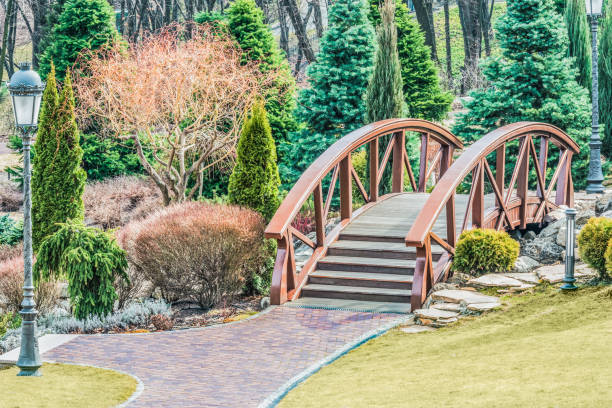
(389, 243)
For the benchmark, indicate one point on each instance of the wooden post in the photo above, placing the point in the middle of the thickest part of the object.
(565, 188)
(278, 289)
(419, 281)
(543, 159)
(451, 228)
(423, 162)
(500, 170)
(478, 198)
(374, 170)
(346, 189)
(523, 181)
(319, 214)
(397, 184)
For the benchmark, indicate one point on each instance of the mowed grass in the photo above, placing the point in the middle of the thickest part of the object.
(548, 349)
(65, 386)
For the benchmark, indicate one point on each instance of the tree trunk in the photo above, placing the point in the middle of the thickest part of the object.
(486, 12)
(284, 29)
(300, 29)
(318, 18)
(469, 12)
(449, 57)
(8, 16)
(424, 14)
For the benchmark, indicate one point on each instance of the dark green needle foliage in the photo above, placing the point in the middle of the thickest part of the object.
(579, 33)
(605, 81)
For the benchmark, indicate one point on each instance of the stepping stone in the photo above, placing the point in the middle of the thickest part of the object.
(495, 280)
(556, 273)
(458, 296)
(416, 329)
(483, 307)
(450, 307)
(434, 314)
(515, 290)
(528, 277)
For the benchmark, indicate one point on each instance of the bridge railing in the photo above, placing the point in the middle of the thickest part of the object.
(511, 209)
(436, 151)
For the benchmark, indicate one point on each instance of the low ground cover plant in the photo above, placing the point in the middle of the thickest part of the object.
(592, 244)
(481, 251)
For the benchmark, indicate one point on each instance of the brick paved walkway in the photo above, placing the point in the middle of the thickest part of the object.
(235, 365)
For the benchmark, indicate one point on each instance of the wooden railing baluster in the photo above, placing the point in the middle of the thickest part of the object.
(543, 162)
(523, 181)
(346, 189)
(478, 200)
(319, 215)
(373, 174)
(423, 162)
(500, 170)
(451, 222)
(399, 148)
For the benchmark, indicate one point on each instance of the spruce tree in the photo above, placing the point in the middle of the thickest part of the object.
(421, 87)
(58, 179)
(254, 182)
(579, 33)
(245, 21)
(384, 96)
(533, 80)
(605, 81)
(82, 25)
(333, 105)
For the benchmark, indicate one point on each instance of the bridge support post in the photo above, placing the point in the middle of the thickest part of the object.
(374, 170)
(397, 184)
(346, 189)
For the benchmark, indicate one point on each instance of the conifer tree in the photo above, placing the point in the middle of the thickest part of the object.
(605, 81)
(82, 25)
(579, 33)
(384, 96)
(254, 182)
(333, 104)
(58, 180)
(533, 80)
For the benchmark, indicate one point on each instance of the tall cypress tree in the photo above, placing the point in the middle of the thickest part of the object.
(82, 25)
(333, 104)
(533, 80)
(579, 33)
(58, 180)
(384, 97)
(605, 81)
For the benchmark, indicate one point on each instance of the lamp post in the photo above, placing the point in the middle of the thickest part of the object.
(26, 89)
(570, 247)
(595, 178)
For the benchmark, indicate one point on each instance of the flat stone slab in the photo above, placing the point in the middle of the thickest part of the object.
(450, 307)
(495, 280)
(416, 329)
(528, 277)
(458, 296)
(45, 343)
(483, 307)
(434, 314)
(556, 273)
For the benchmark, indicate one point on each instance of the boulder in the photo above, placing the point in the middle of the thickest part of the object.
(607, 214)
(604, 203)
(552, 228)
(583, 216)
(524, 264)
(529, 236)
(555, 215)
(543, 250)
(495, 280)
(458, 296)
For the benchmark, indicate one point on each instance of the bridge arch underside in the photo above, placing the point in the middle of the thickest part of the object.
(401, 238)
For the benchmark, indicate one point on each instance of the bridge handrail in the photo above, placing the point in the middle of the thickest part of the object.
(323, 165)
(445, 189)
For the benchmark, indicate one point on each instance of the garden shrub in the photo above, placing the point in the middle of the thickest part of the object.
(90, 259)
(11, 231)
(608, 257)
(10, 199)
(195, 251)
(593, 241)
(105, 157)
(46, 294)
(481, 251)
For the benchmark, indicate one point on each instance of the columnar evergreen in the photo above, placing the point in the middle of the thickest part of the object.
(533, 80)
(605, 81)
(82, 25)
(58, 179)
(333, 104)
(254, 182)
(579, 33)
(384, 96)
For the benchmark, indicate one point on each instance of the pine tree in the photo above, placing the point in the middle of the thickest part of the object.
(533, 80)
(58, 179)
(245, 21)
(579, 34)
(605, 81)
(421, 87)
(254, 182)
(384, 96)
(333, 104)
(82, 25)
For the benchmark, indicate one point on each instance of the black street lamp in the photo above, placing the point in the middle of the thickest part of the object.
(595, 178)
(26, 89)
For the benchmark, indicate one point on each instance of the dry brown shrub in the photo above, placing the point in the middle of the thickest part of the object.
(11, 199)
(115, 202)
(161, 322)
(10, 251)
(46, 294)
(195, 251)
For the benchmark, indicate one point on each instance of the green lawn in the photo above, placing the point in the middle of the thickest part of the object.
(549, 349)
(65, 386)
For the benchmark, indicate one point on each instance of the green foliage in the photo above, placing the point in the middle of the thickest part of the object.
(254, 181)
(481, 251)
(82, 25)
(261, 269)
(593, 241)
(213, 19)
(608, 257)
(90, 259)
(15, 143)
(333, 104)
(384, 94)
(58, 180)
(9, 321)
(579, 34)
(533, 80)
(605, 81)
(105, 158)
(11, 231)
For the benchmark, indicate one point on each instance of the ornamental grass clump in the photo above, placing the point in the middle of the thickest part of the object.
(481, 251)
(195, 251)
(592, 244)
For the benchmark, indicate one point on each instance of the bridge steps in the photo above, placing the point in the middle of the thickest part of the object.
(371, 265)
(356, 293)
(374, 249)
(371, 280)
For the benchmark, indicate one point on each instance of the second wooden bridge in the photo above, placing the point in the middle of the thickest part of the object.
(387, 254)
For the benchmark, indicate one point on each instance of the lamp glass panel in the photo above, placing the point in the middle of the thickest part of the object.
(24, 108)
(593, 7)
(37, 101)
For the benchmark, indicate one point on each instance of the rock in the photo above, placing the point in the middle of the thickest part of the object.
(556, 273)
(555, 215)
(552, 229)
(264, 303)
(543, 250)
(483, 307)
(603, 203)
(495, 280)
(516, 235)
(529, 277)
(450, 307)
(583, 217)
(444, 285)
(459, 278)
(524, 264)
(447, 321)
(416, 329)
(561, 236)
(458, 296)
(434, 314)
(607, 214)
(529, 236)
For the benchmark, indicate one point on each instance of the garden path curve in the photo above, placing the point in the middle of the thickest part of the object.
(232, 365)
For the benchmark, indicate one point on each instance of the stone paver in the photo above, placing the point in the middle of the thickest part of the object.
(235, 365)
(458, 296)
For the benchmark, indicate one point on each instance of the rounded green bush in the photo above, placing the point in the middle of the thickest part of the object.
(593, 241)
(608, 257)
(481, 251)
